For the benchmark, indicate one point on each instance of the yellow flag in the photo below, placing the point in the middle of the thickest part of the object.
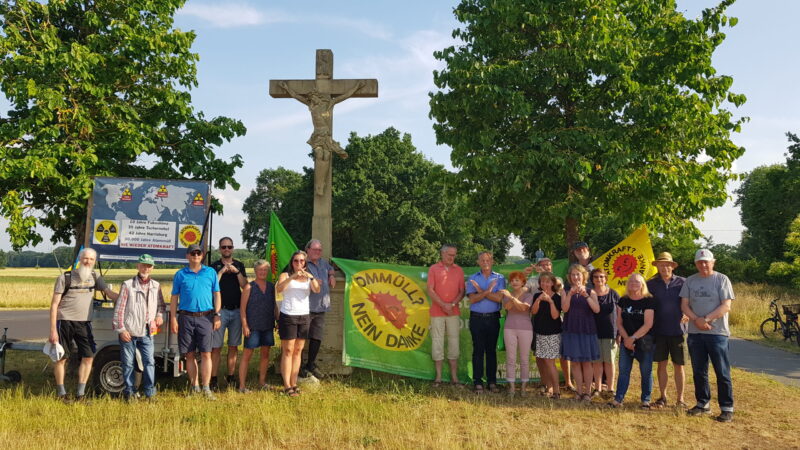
(633, 254)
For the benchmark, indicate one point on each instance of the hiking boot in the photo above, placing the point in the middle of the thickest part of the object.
(83, 400)
(725, 416)
(698, 411)
(65, 399)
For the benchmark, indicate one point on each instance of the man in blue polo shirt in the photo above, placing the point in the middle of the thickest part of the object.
(194, 315)
(484, 320)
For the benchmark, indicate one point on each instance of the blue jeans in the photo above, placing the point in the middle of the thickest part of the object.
(128, 357)
(626, 358)
(703, 347)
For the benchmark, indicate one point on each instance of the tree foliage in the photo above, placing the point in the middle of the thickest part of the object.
(790, 270)
(578, 110)
(769, 198)
(390, 204)
(97, 88)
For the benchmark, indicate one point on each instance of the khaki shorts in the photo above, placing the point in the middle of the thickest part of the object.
(449, 326)
(608, 350)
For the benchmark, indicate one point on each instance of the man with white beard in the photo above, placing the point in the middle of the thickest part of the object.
(71, 319)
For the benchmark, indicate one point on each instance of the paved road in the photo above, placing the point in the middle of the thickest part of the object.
(777, 364)
(25, 324)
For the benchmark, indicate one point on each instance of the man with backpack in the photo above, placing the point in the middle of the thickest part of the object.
(71, 319)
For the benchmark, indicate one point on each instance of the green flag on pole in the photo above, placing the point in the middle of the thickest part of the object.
(280, 247)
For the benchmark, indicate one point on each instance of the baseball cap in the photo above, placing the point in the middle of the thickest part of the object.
(703, 254)
(579, 244)
(54, 351)
(146, 259)
(192, 248)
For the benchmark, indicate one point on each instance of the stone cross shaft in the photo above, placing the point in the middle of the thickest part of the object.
(320, 95)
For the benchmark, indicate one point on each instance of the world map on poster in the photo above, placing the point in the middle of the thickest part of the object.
(131, 216)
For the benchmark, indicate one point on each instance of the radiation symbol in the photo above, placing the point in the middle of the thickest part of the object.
(162, 192)
(105, 232)
(190, 234)
(198, 200)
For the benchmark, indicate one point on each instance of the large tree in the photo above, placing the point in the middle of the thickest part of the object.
(97, 88)
(574, 110)
(390, 204)
(769, 198)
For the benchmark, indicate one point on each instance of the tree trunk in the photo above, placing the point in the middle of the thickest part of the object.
(571, 236)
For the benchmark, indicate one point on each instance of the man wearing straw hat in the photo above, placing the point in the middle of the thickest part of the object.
(669, 327)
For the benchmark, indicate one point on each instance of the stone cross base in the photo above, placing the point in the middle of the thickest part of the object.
(329, 360)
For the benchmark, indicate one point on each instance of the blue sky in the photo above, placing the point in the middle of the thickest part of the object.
(242, 45)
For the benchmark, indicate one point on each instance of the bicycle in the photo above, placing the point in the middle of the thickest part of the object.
(775, 328)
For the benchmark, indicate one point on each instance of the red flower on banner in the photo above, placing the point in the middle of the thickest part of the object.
(390, 308)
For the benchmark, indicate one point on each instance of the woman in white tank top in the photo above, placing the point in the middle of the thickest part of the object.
(293, 321)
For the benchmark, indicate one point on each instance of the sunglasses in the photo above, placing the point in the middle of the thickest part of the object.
(226, 247)
(299, 260)
(196, 253)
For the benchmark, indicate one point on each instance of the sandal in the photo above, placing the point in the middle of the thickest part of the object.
(660, 403)
(456, 384)
(289, 392)
(493, 388)
(586, 398)
(555, 397)
(436, 384)
(681, 405)
(478, 389)
(645, 406)
(296, 390)
(614, 405)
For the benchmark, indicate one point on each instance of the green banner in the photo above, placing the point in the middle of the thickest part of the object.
(387, 324)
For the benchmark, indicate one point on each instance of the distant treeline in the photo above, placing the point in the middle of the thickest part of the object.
(64, 257)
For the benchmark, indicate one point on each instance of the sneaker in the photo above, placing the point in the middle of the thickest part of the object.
(244, 391)
(65, 399)
(317, 373)
(209, 395)
(303, 373)
(83, 399)
(725, 416)
(698, 411)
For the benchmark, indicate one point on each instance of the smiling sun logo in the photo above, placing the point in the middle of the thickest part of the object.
(389, 309)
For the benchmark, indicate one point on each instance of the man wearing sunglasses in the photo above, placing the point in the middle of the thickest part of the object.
(194, 315)
(232, 279)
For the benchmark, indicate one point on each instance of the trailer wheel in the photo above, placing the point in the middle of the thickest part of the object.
(107, 377)
(14, 376)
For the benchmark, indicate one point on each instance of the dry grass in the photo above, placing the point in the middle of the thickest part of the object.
(30, 288)
(751, 307)
(383, 411)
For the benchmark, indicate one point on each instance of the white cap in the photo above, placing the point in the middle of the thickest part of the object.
(54, 351)
(703, 254)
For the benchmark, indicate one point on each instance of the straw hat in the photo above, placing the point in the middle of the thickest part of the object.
(665, 257)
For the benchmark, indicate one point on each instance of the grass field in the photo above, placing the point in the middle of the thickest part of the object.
(376, 410)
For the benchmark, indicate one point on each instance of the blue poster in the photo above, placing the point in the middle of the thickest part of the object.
(131, 216)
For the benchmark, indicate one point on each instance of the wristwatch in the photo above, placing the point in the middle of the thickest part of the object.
(216, 314)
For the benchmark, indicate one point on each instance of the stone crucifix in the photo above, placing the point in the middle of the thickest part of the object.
(321, 95)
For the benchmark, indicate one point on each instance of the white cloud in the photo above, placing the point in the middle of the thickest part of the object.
(231, 15)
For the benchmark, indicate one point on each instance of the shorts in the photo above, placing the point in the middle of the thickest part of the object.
(293, 327)
(608, 350)
(548, 346)
(260, 338)
(80, 333)
(449, 326)
(194, 333)
(672, 347)
(316, 327)
(231, 320)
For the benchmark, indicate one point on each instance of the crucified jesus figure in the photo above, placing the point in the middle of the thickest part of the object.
(321, 141)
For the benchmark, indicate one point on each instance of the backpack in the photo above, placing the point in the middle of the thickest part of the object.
(68, 282)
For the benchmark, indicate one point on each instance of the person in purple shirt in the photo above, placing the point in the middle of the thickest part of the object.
(483, 289)
(579, 339)
(669, 327)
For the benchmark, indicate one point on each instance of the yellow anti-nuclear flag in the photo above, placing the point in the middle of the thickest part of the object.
(633, 254)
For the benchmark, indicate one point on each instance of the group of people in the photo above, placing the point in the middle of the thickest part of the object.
(582, 322)
(585, 324)
(207, 304)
